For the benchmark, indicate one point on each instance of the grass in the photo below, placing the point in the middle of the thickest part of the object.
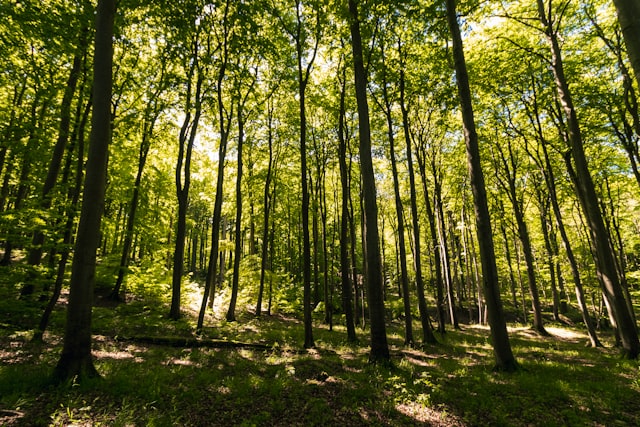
(561, 382)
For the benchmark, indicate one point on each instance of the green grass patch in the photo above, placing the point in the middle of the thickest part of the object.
(561, 382)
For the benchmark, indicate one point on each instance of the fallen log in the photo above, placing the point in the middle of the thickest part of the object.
(190, 342)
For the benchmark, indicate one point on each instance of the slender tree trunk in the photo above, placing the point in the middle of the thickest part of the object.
(147, 135)
(183, 179)
(605, 262)
(546, 234)
(267, 209)
(224, 122)
(399, 212)
(500, 339)
(306, 244)
(76, 360)
(345, 241)
(512, 279)
(427, 331)
(231, 315)
(304, 71)
(523, 235)
(443, 246)
(434, 243)
(272, 249)
(74, 196)
(328, 291)
(379, 347)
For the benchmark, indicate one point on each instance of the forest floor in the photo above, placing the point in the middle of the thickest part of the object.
(561, 381)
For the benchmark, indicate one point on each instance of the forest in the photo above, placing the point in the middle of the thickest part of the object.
(319, 212)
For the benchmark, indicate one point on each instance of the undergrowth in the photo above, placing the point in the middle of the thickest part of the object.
(561, 381)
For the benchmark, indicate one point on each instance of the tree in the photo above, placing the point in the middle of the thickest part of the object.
(427, 330)
(373, 274)
(500, 339)
(386, 106)
(35, 253)
(629, 18)
(241, 104)
(506, 173)
(304, 41)
(346, 242)
(225, 115)
(151, 113)
(76, 360)
(186, 139)
(585, 189)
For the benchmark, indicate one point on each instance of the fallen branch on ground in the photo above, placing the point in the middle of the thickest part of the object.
(192, 342)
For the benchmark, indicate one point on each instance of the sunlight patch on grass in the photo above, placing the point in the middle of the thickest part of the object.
(428, 416)
(115, 355)
(182, 362)
(565, 333)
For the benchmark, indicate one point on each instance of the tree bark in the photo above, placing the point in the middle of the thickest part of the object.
(231, 312)
(604, 259)
(267, 208)
(224, 121)
(76, 360)
(345, 241)
(629, 19)
(500, 339)
(399, 212)
(427, 330)
(379, 347)
(508, 181)
(151, 115)
(440, 311)
(183, 178)
(443, 247)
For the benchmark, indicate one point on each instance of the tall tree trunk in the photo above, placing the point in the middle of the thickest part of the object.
(304, 71)
(399, 212)
(499, 337)
(183, 177)
(267, 208)
(605, 262)
(427, 330)
(508, 181)
(379, 347)
(546, 226)
(512, 279)
(328, 290)
(152, 113)
(306, 244)
(316, 241)
(629, 18)
(231, 312)
(272, 249)
(443, 246)
(76, 360)
(224, 124)
(440, 310)
(345, 241)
